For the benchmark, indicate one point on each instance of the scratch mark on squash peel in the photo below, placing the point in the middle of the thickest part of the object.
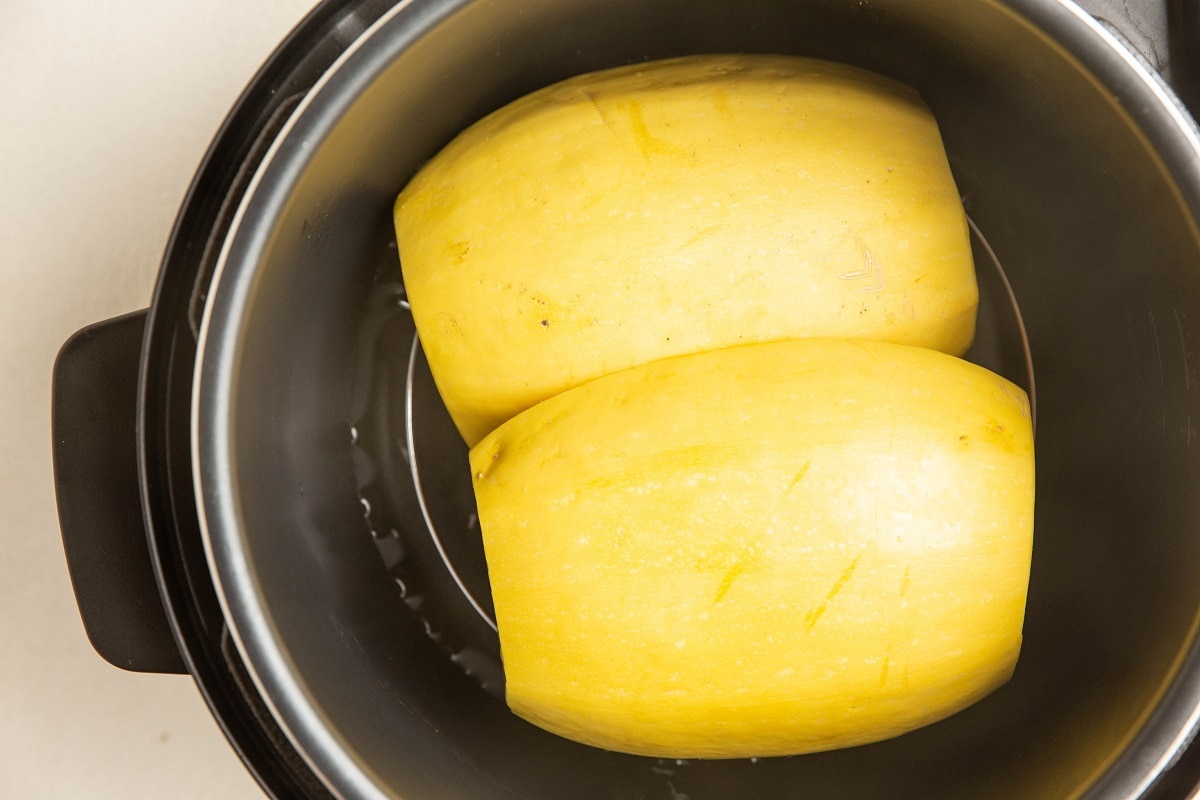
(599, 111)
(799, 475)
(730, 576)
(700, 235)
(873, 271)
(647, 142)
(815, 615)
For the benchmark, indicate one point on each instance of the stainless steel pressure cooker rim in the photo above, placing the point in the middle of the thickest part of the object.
(273, 673)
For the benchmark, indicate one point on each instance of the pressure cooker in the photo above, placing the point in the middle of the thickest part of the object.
(259, 486)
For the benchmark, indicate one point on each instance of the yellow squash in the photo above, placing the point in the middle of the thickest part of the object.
(676, 207)
(764, 550)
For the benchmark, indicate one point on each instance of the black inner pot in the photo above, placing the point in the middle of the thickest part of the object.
(1083, 182)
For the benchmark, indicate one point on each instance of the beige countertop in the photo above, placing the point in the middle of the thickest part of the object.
(105, 112)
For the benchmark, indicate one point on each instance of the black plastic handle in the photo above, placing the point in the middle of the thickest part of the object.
(1183, 26)
(94, 423)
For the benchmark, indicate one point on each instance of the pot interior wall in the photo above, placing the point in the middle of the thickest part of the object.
(1102, 255)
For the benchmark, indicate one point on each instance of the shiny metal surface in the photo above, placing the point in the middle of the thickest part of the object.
(1072, 156)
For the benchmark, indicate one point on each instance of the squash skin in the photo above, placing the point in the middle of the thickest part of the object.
(675, 207)
(766, 550)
